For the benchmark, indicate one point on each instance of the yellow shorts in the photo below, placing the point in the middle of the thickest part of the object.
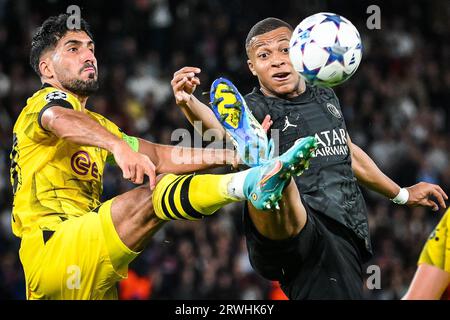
(83, 258)
(436, 251)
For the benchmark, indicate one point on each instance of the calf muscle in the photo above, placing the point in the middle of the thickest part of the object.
(134, 219)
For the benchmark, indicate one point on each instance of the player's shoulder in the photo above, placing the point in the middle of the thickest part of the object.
(326, 96)
(257, 103)
(255, 99)
(49, 95)
(324, 92)
(254, 95)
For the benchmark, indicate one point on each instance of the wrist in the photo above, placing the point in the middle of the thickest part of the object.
(117, 146)
(189, 101)
(402, 197)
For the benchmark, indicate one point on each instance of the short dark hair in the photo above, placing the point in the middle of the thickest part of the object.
(47, 36)
(265, 26)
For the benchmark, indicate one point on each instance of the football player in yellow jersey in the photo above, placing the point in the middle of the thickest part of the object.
(73, 246)
(432, 278)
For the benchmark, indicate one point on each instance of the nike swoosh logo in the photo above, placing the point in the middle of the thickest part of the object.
(278, 166)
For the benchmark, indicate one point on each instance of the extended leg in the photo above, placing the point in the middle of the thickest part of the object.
(284, 223)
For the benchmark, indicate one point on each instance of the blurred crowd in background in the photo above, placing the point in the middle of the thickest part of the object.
(396, 108)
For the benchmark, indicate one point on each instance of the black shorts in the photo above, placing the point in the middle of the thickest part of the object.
(321, 262)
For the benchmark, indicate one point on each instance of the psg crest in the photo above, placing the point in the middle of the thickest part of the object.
(333, 110)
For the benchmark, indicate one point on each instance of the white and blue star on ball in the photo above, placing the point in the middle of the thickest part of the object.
(333, 18)
(336, 53)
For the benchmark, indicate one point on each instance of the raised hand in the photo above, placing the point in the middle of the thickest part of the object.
(420, 195)
(183, 83)
(134, 165)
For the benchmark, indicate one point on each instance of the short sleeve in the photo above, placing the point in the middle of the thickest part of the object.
(36, 106)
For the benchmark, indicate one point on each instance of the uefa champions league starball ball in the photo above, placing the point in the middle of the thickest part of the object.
(325, 49)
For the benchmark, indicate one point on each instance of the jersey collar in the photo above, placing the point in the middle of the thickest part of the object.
(46, 85)
(304, 97)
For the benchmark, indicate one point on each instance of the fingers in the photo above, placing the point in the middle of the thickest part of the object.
(195, 81)
(135, 172)
(150, 172)
(429, 195)
(177, 79)
(180, 76)
(179, 83)
(190, 75)
(139, 175)
(444, 195)
(439, 196)
(433, 205)
(267, 123)
(187, 70)
(132, 173)
(126, 173)
(180, 95)
(184, 82)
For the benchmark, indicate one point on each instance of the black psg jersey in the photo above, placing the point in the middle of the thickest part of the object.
(329, 185)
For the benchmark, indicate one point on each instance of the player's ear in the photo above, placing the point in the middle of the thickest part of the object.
(45, 68)
(251, 67)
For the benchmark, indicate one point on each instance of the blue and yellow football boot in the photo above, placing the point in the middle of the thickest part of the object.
(247, 134)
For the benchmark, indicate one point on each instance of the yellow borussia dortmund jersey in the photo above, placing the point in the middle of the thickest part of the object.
(53, 179)
(436, 250)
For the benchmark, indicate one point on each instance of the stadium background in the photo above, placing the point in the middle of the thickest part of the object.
(396, 108)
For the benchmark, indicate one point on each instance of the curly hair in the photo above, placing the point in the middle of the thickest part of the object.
(47, 36)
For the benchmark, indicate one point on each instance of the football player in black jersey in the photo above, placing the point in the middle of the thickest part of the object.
(316, 243)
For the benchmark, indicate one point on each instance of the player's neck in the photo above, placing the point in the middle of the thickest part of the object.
(298, 91)
(82, 99)
(57, 85)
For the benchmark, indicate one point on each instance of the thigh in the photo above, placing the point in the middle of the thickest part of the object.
(330, 267)
(340, 269)
(315, 264)
(280, 260)
(73, 261)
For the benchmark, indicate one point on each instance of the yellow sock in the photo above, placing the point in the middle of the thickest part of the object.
(191, 197)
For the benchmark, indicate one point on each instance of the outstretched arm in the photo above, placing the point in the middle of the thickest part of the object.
(79, 128)
(429, 283)
(368, 174)
(184, 83)
(180, 160)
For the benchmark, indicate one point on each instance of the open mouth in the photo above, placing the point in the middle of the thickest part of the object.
(281, 76)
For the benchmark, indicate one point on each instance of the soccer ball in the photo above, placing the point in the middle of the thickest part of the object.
(325, 49)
